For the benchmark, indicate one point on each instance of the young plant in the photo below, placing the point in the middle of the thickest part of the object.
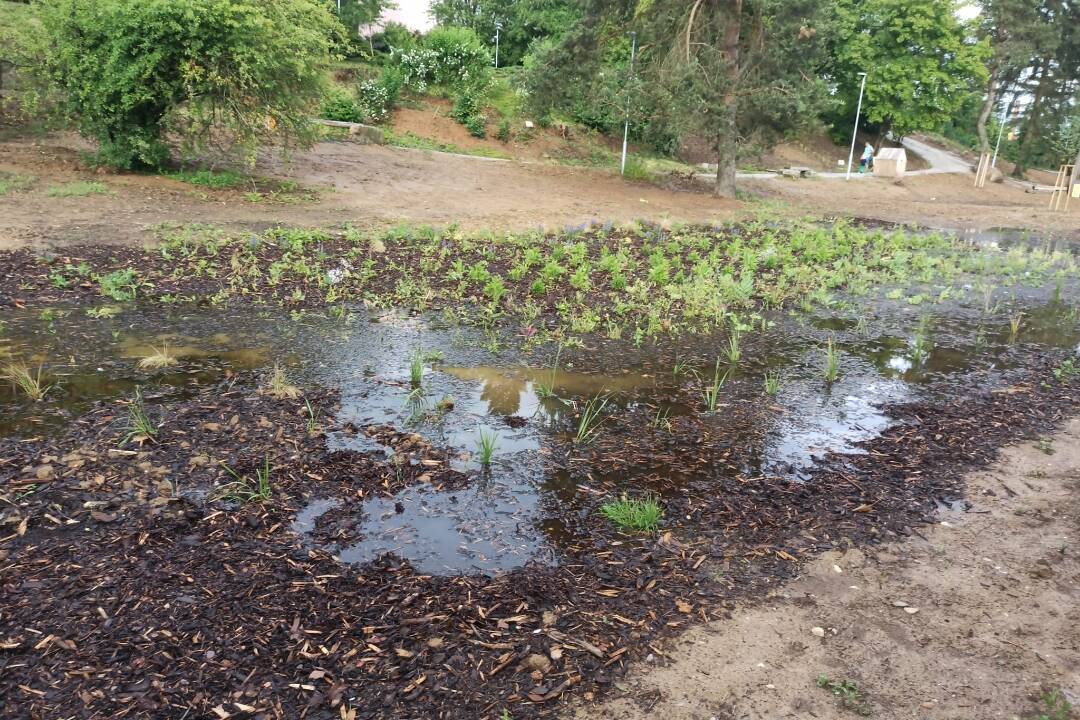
(832, 362)
(1067, 370)
(416, 369)
(312, 417)
(140, 428)
(21, 378)
(244, 489)
(1015, 323)
(417, 403)
(590, 420)
(847, 691)
(158, 359)
(662, 419)
(734, 346)
(485, 450)
(711, 392)
(920, 348)
(772, 382)
(641, 515)
(545, 390)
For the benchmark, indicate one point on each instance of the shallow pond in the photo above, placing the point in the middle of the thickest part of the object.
(527, 503)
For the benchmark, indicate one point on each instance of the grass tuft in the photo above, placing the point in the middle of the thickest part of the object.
(711, 392)
(22, 378)
(832, 362)
(590, 420)
(485, 450)
(244, 489)
(140, 428)
(278, 385)
(641, 515)
(158, 358)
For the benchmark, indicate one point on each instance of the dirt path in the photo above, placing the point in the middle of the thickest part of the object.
(991, 618)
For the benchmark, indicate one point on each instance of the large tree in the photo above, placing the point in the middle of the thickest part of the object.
(920, 60)
(131, 71)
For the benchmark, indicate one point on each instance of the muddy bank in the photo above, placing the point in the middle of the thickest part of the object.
(126, 594)
(975, 616)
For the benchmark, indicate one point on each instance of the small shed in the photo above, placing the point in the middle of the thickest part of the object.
(891, 163)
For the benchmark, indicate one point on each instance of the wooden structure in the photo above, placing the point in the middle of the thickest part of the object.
(983, 169)
(890, 163)
(1064, 188)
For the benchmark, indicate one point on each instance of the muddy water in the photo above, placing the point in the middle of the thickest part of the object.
(526, 505)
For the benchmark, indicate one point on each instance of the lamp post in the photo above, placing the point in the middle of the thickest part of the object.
(855, 132)
(498, 27)
(626, 121)
(1001, 131)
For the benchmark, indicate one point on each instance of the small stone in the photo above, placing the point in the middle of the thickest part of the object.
(836, 569)
(899, 603)
(818, 632)
(911, 610)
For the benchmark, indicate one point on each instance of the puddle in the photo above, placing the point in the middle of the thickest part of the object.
(524, 508)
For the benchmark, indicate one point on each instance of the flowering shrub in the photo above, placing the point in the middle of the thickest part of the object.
(448, 56)
(374, 101)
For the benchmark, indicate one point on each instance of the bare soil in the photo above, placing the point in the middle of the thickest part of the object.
(976, 617)
(371, 186)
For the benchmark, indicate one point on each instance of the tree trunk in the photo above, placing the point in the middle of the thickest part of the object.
(1032, 125)
(727, 160)
(987, 108)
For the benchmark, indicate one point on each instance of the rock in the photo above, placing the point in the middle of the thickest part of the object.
(911, 610)
(818, 632)
(899, 603)
(535, 662)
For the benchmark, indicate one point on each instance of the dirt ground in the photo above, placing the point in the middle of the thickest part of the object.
(377, 186)
(979, 619)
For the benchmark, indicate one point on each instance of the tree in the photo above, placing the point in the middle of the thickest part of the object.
(358, 14)
(522, 21)
(129, 71)
(920, 61)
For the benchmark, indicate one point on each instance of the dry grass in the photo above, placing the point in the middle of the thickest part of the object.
(158, 359)
(278, 385)
(25, 380)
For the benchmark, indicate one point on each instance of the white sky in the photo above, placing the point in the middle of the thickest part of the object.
(413, 14)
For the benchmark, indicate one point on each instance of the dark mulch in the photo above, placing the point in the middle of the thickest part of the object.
(118, 601)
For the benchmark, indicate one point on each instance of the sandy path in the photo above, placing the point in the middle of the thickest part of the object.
(992, 618)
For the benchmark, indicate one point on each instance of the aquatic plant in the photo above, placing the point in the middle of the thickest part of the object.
(22, 378)
(485, 448)
(546, 390)
(772, 382)
(734, 349)
(416, 369)
(832, 362)
(158, 358)
(590, 419)
(312, 417)
(1015, 323)
(244, 489)
(140, 428)
(920, 347)
(641, 514)
(711, 392)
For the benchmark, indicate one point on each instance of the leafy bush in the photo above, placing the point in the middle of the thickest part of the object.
(504, 130)
(131, 70)
(378, 97)
(467, 111)
(339, 104)
(448, 56)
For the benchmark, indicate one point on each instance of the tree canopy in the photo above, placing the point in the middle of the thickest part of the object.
(130, 71)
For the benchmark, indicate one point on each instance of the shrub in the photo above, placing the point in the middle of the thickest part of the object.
(378, 97)
(131, 70)
(448, 56)
(467, 111)
(339, 104)
(504, 130)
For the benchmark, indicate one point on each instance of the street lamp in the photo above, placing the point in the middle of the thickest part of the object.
(858, 111)
(626, 121)
(498, 27)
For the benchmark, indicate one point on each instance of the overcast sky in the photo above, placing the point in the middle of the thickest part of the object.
(412, 14)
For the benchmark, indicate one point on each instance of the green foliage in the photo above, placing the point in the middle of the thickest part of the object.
(11, 182)
(120, 285)
(215, 179)
(920, 59)
(489, 440)
(847, 691)
(129, 71)
(524, 22)
(246, 489)
(590, 419)
(339, 104)
(643, 515)
(140, 428)
(1055, 706)
(468, 110)
(636, 170)
(449, 56)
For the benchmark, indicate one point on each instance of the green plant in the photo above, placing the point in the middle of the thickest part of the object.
(1067, 370)
(133, 71)
(120, 285)
(546, 390)
(832, 362)
(158, 359)
(920, 347)
(416, 369)
(312, 417)
(1056, 707)
(30, 383)
(662, 419)
(711, 392)
(139, 428)
(103, 312)
(772, 382)
(244, 490)
(485, 450)
(214, 179)
(1015, 323)
(79, 188)
(590, 419)
(503, 133)
(10, 182)
(642, 515)
(847, 691)
(734, 349)
(339, 104)
(636, 170)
